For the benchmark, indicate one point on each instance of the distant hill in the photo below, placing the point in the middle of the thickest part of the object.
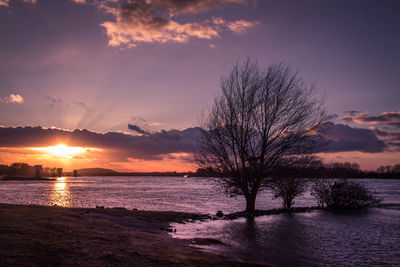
(96, 172)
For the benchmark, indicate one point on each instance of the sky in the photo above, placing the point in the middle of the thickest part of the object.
(127, 81)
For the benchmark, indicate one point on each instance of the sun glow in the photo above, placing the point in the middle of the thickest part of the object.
(61, 150)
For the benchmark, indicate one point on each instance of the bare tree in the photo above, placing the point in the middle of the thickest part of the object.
(265, 117)
(287, 188)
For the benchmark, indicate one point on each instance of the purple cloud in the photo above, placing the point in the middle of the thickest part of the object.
(156, 145)
(386, 118)
(340, 138)
(151, 146)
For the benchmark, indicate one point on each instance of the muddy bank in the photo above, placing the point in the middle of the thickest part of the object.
(54, 236)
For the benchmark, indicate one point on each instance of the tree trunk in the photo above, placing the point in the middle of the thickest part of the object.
(287, 203)
(250, 203)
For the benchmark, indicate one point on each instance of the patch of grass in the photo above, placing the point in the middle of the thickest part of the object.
(55, 236)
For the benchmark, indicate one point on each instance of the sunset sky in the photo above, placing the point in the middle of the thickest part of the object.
(125, 82)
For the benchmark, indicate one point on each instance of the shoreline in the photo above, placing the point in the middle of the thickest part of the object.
(25, 178)
(32, 235)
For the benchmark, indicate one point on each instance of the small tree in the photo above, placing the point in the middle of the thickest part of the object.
(265, 117)
(342, 194)
(287, 188)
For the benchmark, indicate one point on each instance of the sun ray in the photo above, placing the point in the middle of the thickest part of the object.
(61, 150)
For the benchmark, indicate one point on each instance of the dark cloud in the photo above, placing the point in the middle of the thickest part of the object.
(352, 112)
(340, 138)
(140, 120)
(122, 146)
(58, 102)
(388, 135)
(137, 129)
(385, 118)
(80, 104)
(162, 144)
(53, 101)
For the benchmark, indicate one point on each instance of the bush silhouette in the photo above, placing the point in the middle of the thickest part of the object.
(343, 194)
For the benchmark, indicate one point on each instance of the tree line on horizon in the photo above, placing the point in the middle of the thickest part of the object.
(318, 169)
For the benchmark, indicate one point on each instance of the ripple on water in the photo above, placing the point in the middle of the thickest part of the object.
(306, 239)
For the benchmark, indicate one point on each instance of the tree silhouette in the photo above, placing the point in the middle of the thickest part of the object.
(265, 117)
(287, 188)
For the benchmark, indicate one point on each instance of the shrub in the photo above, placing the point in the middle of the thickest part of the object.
(342, 194)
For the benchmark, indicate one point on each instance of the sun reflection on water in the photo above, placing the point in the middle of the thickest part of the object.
(60, 194)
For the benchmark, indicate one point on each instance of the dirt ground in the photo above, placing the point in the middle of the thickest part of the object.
(56, 236)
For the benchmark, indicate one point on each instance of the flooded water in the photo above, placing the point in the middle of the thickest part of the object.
(318, 238)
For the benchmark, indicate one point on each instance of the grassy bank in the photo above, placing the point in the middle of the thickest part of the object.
(54, 236)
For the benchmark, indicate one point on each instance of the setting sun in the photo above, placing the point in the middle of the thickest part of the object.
(61, 150)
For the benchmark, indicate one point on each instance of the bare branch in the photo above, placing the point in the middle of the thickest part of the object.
(264, 118)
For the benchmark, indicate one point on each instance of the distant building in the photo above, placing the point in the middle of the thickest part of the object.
(38, 171)
(75, 173)
(4, 170)
(21, 169)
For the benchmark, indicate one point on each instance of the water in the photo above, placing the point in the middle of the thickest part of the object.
(147, 193)
(318, 238)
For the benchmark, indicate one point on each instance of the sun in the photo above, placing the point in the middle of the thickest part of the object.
(61, 150)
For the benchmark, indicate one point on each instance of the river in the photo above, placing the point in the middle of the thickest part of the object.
(318, 238)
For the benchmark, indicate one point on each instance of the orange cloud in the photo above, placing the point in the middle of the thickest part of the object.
(13, 98)
(4, 2)
(139, 24)
(88, 158)
(385, 118)
(82, 148)
(241, 26)
(153, 21)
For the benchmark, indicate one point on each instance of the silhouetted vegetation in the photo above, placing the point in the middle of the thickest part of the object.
(287, 188)
(389, 171)
(264, 118)
(317, 169)
(342, 194)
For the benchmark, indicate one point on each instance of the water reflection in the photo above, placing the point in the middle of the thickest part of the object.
(60, 194)
(319, 238)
